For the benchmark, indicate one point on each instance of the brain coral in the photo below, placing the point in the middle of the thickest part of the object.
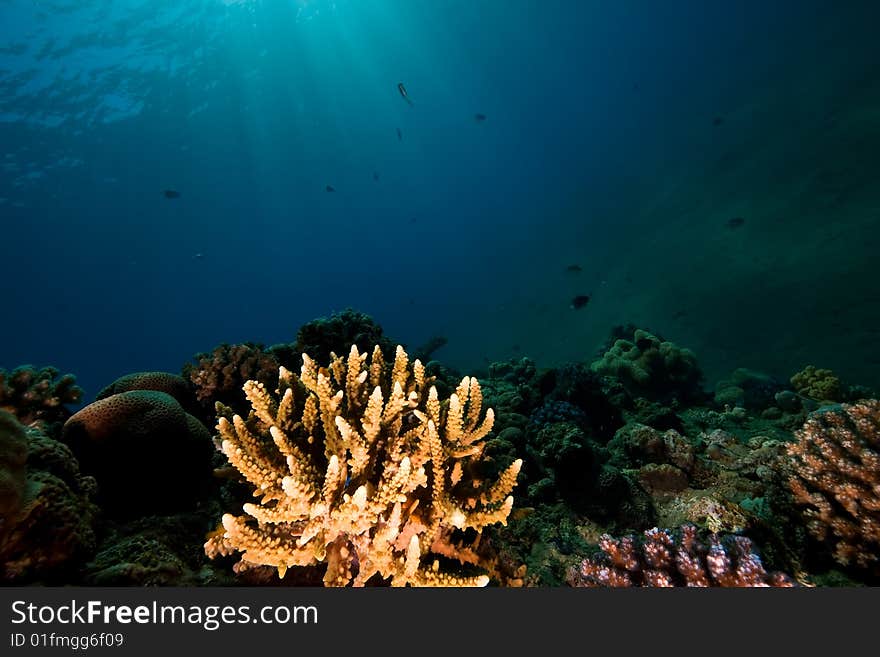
(171, 384)
(145, 450)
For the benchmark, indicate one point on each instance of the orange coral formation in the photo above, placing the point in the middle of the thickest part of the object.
(836, 476)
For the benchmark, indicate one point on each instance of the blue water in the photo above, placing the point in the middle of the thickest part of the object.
(620, 136)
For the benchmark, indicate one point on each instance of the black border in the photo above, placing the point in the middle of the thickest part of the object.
(400, 621)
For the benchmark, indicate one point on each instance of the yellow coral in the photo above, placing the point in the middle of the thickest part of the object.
(817, 383)
(365, 471)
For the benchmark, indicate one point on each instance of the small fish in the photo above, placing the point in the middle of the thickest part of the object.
(717, 121)
(170, 193)
(403, 93)
(580, 301)
(575, 269)
(734, 222)
(399, 135)
(479, 118)
(678, 314)
(330, 188)
(198, 256)
(376, 176)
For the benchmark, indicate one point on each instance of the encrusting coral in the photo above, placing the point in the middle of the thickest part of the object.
(364, 470)
(836, 476)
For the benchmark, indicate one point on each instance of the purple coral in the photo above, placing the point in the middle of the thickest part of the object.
(665, 558)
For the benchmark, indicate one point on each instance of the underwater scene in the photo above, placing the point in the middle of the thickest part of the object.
(570, 293)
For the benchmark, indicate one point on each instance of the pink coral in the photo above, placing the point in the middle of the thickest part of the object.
(663, 558)
(835, 467)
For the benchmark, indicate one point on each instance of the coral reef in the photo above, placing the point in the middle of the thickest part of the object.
(155, 551)
(48, 525)
(702, 480)
(663, 558)
(13, 456)
(653, 368)
(747, 388)
(335, 334)
(382, 469)
(364, 471)
(553, 410)
(146, 452)
(167, 382)
(38, 395)
(220, 375)
(593, 395)
(817, 383)
(550, 540)
(513, 387)
(835, 467)
(638, 444)
(562, 464)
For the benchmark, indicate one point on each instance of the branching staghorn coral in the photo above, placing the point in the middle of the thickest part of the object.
(836, 476)
(363, 470)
